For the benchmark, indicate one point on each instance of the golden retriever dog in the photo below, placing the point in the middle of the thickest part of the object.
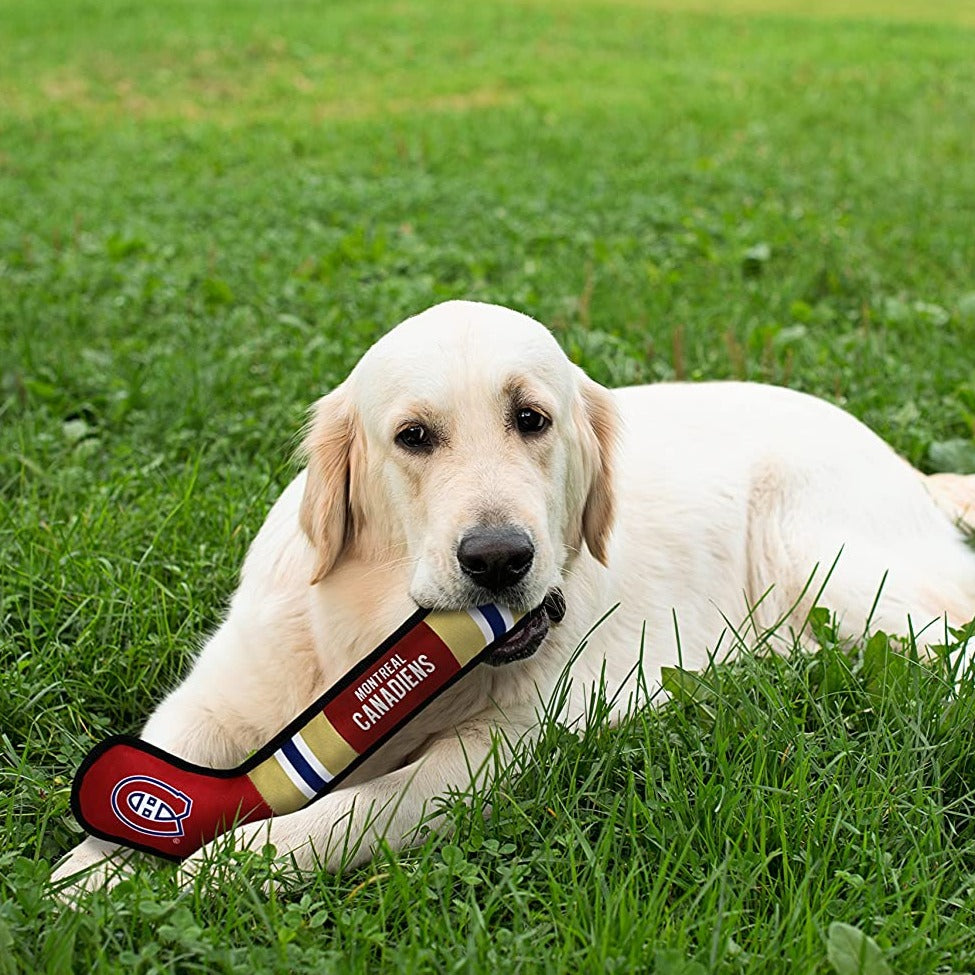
(467, 460)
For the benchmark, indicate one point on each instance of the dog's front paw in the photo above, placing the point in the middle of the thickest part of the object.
(301, 842)
(222, 859)
(91, 865)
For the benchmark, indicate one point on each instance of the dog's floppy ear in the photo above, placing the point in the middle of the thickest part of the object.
(325, 514)
(601, 431)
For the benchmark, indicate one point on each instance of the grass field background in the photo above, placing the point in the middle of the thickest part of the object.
(208, 211)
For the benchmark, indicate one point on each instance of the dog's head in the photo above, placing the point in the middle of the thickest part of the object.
(467, 447)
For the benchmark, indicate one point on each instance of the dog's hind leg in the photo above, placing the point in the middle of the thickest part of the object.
(886, 545)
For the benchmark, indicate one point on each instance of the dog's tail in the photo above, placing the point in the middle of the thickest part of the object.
(955, 495)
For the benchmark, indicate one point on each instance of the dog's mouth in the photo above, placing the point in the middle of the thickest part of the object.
(528, 637)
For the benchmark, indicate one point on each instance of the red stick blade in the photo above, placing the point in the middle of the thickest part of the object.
(135, 794)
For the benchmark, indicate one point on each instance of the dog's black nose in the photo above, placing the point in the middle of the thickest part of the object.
(495, 558)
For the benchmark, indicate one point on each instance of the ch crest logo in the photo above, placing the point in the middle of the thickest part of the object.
(150, 806)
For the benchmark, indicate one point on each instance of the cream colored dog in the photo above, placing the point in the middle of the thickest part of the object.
(466, 460)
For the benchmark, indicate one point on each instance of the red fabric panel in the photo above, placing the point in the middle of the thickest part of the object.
(408, 674)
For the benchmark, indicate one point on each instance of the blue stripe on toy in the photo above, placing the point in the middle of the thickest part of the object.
(302, 767)
(494, 619)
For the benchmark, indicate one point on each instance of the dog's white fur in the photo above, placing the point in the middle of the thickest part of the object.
(696, 504)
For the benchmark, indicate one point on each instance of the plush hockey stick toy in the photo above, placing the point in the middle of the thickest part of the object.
(140, 796)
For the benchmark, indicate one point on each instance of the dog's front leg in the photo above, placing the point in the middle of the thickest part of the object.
(191, 723)
(178, 727)
(343, 829)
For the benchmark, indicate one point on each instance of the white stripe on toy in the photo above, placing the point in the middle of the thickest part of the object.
(296, 777)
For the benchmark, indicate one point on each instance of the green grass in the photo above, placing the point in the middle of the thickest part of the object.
(209, 210)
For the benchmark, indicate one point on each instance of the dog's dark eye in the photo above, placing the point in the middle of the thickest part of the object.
(416, 438)
(531, 421)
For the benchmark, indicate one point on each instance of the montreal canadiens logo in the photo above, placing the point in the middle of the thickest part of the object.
(150, 806)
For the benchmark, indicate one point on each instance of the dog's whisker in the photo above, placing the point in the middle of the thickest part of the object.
(390, 565)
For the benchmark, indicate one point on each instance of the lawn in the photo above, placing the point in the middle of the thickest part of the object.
(208, 210)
